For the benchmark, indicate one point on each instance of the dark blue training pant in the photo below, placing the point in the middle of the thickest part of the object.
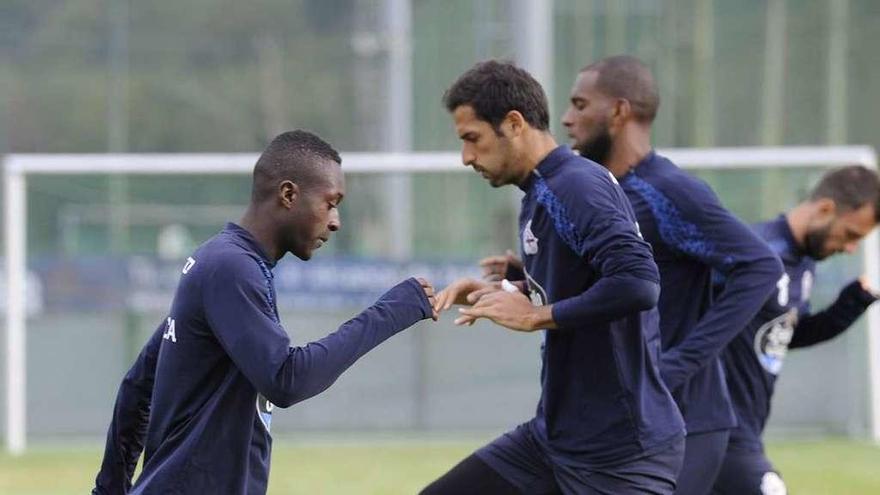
(518, 458)
(703, 456)
(748, 473)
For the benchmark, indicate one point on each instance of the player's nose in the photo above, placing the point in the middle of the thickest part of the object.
(567, 121)
(467, 157)
(335, 222)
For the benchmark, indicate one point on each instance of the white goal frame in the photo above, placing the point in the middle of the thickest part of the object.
(17, 168)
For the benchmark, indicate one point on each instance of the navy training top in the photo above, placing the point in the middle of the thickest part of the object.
(200, 396)
(753, 360)
(692, 234)
(602, 400)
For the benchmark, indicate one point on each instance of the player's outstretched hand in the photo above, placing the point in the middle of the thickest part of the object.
(457, 293)
(432, 300)
(494, 267)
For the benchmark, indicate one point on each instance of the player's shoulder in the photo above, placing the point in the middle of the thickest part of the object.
(659, 177)
(670, 178)
(768, 230)
(576, 167)
(776, 234)
(579, 177)
(224, 254)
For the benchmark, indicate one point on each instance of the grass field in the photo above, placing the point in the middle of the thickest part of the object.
(387, 468)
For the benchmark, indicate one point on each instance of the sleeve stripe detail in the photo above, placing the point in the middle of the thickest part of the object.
(677, 232)
(561, 221)
(269, 292)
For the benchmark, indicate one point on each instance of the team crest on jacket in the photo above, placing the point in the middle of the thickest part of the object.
(530, 242)
(772, 339)
(264, 411)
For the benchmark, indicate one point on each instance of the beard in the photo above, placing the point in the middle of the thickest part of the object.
(598, 148)
(814, 243)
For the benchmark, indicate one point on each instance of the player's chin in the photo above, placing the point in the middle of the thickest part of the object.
(304, 254)
(496, 181)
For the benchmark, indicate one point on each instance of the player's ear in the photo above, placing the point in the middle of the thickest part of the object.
(288, 193)
(515, 123)
(825, 209)
(621, 111)
(826, 206)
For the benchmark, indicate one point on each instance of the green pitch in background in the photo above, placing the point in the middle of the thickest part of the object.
(815, 467)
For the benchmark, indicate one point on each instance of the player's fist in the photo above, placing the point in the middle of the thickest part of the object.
(429, 293)
(866, 286)
(495, 267)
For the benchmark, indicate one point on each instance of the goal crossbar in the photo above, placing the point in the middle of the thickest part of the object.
(17, 167)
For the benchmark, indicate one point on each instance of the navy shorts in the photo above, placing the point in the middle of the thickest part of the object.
(748, 473)
(521, 460)
(703, 457)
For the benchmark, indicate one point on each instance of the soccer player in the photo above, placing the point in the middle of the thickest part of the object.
(612, 107)
(842, 209)
(199, 399)
(605, 422)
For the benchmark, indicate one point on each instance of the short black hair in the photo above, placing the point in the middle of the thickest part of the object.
(625, 76)
(299, 156)
(494, 88)
(851, 188)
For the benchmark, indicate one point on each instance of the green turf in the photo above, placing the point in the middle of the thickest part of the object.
(809, 467)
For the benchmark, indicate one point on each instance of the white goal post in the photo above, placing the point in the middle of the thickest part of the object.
(17, 168)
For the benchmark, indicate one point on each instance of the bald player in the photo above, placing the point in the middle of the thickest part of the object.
(613, 104)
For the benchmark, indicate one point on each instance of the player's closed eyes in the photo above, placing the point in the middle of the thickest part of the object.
(471, 138)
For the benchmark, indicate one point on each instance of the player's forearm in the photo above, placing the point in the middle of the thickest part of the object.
(834, 320)
(745, 291)
(311, 369)
(124, 446)
(128, 426)
(610, 298)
